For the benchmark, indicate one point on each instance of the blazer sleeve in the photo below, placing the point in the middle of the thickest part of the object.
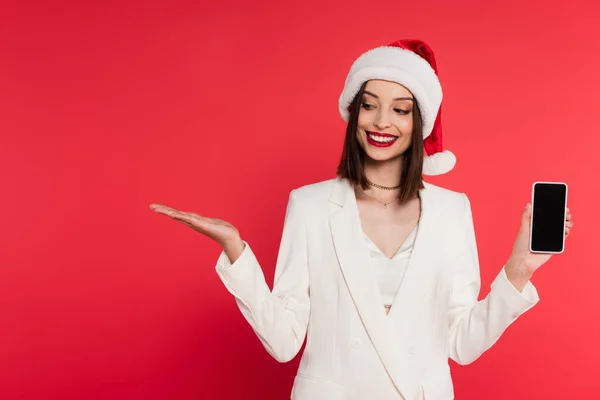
(279, 317)
(475, 326)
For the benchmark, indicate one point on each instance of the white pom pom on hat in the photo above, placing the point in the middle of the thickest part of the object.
(411, 63)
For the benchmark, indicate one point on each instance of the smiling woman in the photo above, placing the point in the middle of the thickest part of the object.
(387, 109)
(377, 267)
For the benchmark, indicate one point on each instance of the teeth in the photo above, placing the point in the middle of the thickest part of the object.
(381, 139)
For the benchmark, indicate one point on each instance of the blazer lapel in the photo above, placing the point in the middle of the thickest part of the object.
(420, 271)
(354, 260)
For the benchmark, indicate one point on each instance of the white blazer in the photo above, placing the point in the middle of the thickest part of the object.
(324, 286)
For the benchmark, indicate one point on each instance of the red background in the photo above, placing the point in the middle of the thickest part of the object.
(107, 107)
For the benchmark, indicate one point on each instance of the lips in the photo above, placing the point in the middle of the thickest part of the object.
(372, 136)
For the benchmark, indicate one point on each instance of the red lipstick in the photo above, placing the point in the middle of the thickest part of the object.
(373, 136)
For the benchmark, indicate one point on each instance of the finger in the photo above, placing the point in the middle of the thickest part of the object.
(168, 211)
(174, 214)
(569, 217)
(192, 220)
(198, 216)
(161, 208)
(182, 216)
(198, 223)
(154, 206)
(186, 219)
(186, 223)
(527, 212)
(165, 210)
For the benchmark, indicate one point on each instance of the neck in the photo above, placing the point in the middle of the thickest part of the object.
(384, 173)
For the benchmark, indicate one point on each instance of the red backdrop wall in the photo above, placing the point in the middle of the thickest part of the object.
(107, 107)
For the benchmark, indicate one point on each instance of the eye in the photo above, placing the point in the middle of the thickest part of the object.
(401, 111)
(366, 106)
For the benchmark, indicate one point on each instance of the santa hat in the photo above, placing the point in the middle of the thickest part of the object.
(411, 63)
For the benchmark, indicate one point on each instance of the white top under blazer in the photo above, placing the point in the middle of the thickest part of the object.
(324, 292)
(390, 271)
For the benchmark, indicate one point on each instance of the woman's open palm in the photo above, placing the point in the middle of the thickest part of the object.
(220, 231)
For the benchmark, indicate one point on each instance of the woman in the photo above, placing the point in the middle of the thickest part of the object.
(376, 267)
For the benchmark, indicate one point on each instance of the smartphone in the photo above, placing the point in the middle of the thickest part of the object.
(549, 214)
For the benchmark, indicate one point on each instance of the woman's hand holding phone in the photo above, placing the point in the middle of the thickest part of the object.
(218, 230)
(523, 263)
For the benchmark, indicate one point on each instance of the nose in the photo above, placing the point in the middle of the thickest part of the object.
(382, 120)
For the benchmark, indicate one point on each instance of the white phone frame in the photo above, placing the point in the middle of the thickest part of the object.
(531, 221)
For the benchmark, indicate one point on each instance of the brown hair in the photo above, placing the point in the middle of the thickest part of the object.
(351, 163)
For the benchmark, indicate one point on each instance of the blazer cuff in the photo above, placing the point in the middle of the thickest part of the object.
(224, 262)
(517, 302)
(237, 275)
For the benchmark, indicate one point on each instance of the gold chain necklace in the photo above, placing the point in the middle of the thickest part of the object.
(384, 204)
(382, 187)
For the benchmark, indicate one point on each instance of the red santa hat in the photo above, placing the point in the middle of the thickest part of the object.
(411, 63)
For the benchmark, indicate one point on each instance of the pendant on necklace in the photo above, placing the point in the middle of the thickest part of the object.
(385, 206)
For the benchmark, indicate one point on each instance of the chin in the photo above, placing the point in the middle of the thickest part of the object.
(382, 155)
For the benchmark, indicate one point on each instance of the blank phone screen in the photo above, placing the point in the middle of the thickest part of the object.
(548, 219)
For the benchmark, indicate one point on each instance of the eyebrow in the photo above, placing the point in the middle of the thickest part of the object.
(397, 98)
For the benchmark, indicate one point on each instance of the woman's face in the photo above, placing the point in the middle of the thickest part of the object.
(385, 120)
